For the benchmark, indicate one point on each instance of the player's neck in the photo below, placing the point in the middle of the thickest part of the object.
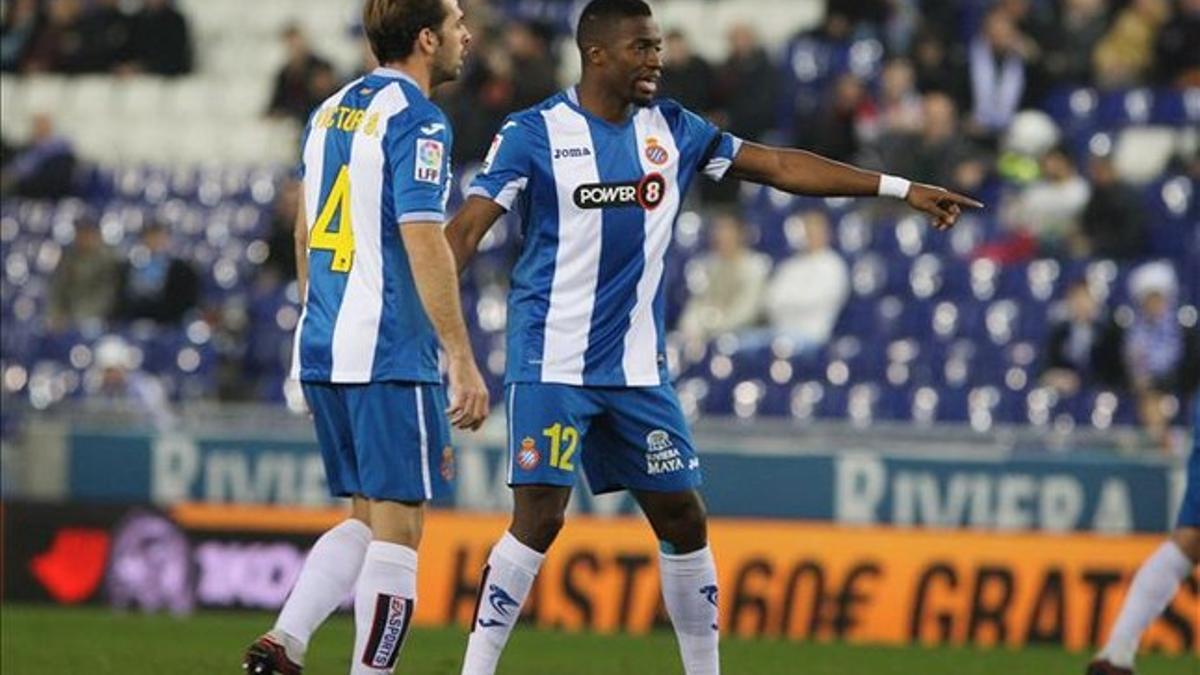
(420, 75)
(594, 99)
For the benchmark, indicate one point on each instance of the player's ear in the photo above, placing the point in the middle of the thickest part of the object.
(428, 40)
(595, 55)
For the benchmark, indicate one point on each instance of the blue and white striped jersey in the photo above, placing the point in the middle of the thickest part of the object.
(598, 203)
(376, 156)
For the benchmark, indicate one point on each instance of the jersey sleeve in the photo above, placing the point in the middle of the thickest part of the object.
(505, 171)
(418, 153)
(716, 148)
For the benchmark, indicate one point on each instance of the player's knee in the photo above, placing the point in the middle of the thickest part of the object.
(683, 523)
(1188, 540)
(397, 522)
(537, 528)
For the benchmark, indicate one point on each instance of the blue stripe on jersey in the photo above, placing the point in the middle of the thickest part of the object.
(533, 272)
(402, 304)
(324, 299)
(623, 235)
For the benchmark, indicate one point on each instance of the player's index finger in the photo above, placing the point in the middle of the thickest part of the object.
(963, 200)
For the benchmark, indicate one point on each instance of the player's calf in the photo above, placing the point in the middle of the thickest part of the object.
(387, 587)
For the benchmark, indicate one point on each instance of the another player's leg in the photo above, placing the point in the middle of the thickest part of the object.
(1155, 583)
(333, 565)
(1157, 579)
(327, 578)
(689, 575)
(511, 568)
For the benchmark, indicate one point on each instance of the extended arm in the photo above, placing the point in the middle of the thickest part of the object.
(437, 285)
(469, 226)
(805, 173)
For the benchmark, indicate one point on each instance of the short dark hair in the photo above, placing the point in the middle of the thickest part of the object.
(598, 16)
(392, 26)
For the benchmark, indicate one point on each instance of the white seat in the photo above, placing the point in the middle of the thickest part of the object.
(45, 93)
(138, 97)
(189, 97)
(1142, 153)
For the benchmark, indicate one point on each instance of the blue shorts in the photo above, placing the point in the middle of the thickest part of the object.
(383, 440)
(625, 438)
(1189, 510)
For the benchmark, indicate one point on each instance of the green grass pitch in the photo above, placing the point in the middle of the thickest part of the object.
(40, 641)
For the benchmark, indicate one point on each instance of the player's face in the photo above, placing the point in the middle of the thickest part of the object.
(635, 60)
(452, 50)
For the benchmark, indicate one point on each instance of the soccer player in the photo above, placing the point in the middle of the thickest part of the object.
(597, 174)
(380, 290)
(1158, 578)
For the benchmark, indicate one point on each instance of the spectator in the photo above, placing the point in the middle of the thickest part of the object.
(998, 73)
(846, 120)
(1069, 56)
(939, 67)
(45, 169)
(1177, 63)
(750, 109)
(1125, 55)
(900, 107)
(1159, 355)
(938, 153)
(155, 284)
(1084, 348)
(529, 47)
(83, 287)
(106, 31)
(294, 94)
(727, 284)
(20, 27)
(160, 42)
(1047, 211)
(281, 259)
(58, 44)
(121, 386)
(1113, 223)
(808, 290)
(687, 77)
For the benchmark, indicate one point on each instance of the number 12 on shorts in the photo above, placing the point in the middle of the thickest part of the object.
(563, 441)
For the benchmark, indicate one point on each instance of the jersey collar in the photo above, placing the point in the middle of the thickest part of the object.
(393, 74)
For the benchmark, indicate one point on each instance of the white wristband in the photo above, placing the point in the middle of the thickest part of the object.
(893, 186)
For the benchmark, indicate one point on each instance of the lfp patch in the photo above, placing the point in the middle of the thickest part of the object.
(428, 167)
(528, 457)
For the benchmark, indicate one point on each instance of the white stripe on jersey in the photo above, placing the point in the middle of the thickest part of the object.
(356, 331)
(312, 154)
(577, 260)
(640, 360)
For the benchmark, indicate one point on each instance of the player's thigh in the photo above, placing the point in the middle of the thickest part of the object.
(642, 443)
(335, 435)
(402, 440)
(546, 427)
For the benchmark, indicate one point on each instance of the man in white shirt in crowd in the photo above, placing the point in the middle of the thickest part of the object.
(727, 283)
(808, 290)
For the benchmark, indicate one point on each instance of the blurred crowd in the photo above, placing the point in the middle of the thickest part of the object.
(76, 37)
(948, 99)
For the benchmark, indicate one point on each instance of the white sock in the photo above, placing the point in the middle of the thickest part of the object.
(383, 607)
(1153, 587)
(689, 586)
(506, 580)
(326, 579)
